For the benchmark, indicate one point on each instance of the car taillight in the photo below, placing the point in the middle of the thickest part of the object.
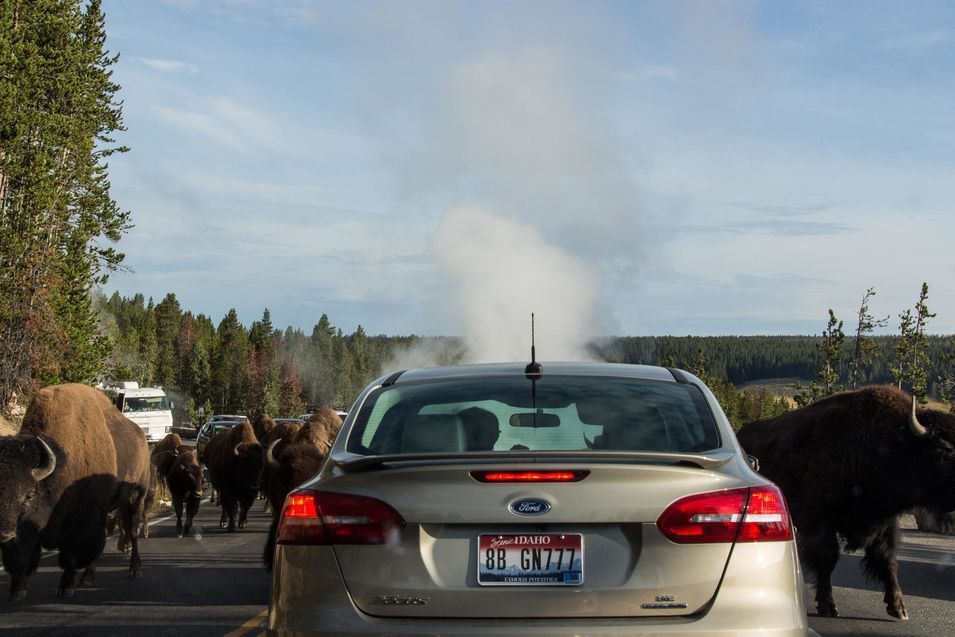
(313, 517)
(749, 514)
(529, 476)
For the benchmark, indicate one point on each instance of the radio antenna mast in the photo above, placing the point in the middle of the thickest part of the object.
(533, 369)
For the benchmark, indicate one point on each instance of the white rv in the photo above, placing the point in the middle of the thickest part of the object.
(148, 407)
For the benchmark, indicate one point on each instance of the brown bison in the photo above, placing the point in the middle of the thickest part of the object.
(262, 426)
(75, 460)
(848, 466)
(185, 483)
(294, 462)
(164, 455)
(234, 458)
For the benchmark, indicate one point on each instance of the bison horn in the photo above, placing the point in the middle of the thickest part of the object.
(236, 450)
(271, 458)
(49, 462)
(917, 428)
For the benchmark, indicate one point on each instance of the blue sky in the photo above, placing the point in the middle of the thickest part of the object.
(617, 167)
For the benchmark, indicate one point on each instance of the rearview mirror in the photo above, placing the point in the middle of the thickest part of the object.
(533, 419)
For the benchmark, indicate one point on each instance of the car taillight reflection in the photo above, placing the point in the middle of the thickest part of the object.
(313, 517)
(749, 514)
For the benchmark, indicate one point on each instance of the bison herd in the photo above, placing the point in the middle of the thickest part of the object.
(848, 465)
(78, 468)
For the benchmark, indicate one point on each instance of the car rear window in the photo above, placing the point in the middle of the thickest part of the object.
(555, 413)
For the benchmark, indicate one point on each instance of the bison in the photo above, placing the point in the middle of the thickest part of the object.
(297, 460)
(848, 466)
(262, 425)
(164, 455)
(185, 483)
(234, 458)
(75, 459)
(276, 440)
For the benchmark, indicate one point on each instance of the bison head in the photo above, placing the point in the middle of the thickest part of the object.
(936, 431)
(249, 459)
(25, 462)
(196, 481)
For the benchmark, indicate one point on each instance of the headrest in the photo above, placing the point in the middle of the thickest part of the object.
(433, 433)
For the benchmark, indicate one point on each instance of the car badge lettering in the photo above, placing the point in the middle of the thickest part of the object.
(663, 602)
(530, 506)
(398, 600)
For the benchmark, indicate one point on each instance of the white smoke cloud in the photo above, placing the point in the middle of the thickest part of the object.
(503, 271)
(508, 147)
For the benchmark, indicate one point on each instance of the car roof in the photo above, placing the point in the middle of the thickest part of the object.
(221, 424)
(620, 370)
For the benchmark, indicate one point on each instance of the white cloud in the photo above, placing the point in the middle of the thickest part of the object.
(233, 124)
(201, 123)
(169, 66)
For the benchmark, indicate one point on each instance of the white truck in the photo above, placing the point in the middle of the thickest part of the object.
(148, 407)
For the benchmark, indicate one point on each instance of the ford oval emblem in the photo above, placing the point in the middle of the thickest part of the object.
(530, 506)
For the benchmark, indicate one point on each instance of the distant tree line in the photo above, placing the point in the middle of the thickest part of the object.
(744, 359)
(226, 367)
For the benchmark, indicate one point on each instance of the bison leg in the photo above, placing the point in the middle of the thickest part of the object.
(89, 576)
(134, 517)
(268, 555)
(135, 562)
(880, 563)
(177, 504)
(819, 549)
(147, 507)
(228, 502)
(84, 544)
(130, 526)
(20, 560)
(67, 586)
(244, 505)
(192, 507)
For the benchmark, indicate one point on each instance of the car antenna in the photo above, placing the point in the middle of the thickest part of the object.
(533, 371)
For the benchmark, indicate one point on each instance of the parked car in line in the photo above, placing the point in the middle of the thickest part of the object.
(561, 499)
(279, 421)
(214, 425)
(341, 414)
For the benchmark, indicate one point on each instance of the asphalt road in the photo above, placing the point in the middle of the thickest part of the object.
(210, 584)
(214, 584)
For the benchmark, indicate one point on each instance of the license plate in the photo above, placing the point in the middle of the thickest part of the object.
(531, 559)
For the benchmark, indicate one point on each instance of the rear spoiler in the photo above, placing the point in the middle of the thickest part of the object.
(354, 463)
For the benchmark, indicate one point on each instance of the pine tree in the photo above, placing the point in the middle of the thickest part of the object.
(912, 359)
(827, 374)
(864, 347)
(168, 319)
(946, 381)
(57, 218)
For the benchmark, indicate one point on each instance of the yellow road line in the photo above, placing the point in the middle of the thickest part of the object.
(252, 624)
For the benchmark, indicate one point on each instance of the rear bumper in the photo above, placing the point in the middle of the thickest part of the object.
(761, 594)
